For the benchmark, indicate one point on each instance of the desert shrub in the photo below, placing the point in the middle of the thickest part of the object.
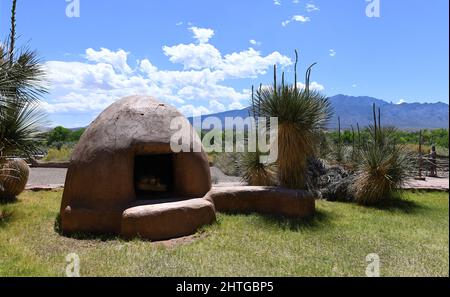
(302, 115)
(58, 155)
(383, 167)
(255, 172)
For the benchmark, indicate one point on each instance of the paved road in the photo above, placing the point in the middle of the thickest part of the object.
(427, 184)
(46, 176)
(55, 177)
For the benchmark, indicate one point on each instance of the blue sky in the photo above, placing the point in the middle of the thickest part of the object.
(203, 56)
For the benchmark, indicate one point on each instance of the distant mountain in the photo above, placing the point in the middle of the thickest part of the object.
(352, 110)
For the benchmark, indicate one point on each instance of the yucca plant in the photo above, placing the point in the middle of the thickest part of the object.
(384, 165)
(21, 86)
(302, 114)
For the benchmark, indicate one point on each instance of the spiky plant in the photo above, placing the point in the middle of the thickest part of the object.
(254, 171)
(21, 87)
(384, 165)
(302, 114)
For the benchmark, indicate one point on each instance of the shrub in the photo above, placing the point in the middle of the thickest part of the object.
(302, 115)
(58, 155)
(383, 167)
(255, 172)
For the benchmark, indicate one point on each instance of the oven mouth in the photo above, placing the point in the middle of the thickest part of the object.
(153, 176)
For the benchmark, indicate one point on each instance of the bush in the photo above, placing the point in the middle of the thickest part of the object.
(302, 116)
(58, 155)
(383, 167)
(256, 173)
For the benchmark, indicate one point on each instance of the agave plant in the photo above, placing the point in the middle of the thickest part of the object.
(384, 165)
(302, 115)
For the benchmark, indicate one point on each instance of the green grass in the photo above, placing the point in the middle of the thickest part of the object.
(411, 238)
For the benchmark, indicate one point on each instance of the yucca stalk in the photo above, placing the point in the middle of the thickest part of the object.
(302, 114)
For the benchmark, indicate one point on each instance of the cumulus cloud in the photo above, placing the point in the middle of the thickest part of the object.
(312, 86)
(254, 42)
(117, 59)
(216, 106)
(191, 110)
(277, 2)
(193, 56)
(106, 76)
(203, 35)
(332, 52)
(311, 7)
(295, 18)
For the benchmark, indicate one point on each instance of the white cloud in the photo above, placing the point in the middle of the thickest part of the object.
(295, 1)
(277, 2)
(311, 7)
(254, 42)
(105, 76)
(191, 110)
(354, 85)
(193, 56)
(117, 59)
(300, 18)
(216, 106)
(203, 35)
(296, 18)
(312, 86)
(178, 23)
(235, 105)
(332, 52)
(401, 101)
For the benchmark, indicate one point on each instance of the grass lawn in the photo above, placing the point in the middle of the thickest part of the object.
(411, 238)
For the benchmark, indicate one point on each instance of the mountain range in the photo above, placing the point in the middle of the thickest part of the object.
(352, 110)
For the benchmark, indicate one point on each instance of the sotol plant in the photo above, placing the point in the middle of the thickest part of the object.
(383, 167)
(302, 114)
